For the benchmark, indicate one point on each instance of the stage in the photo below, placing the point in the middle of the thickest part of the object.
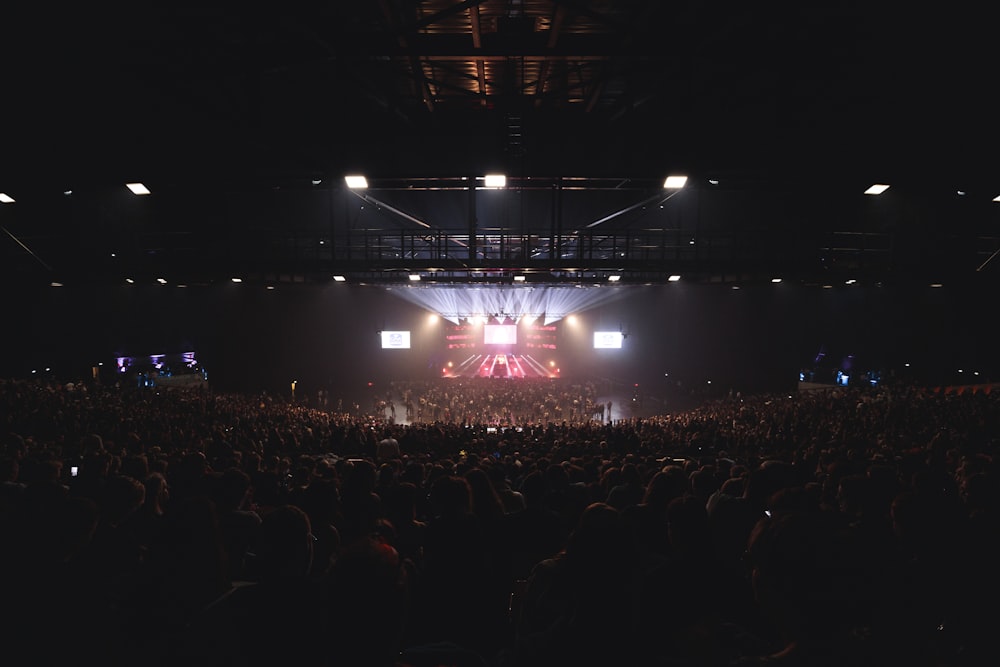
(509, 366)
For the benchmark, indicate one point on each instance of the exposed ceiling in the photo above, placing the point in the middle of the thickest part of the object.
(243, 122)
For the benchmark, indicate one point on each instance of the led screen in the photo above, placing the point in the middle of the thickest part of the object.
(608, 339)
(499, 334)
(395, 340)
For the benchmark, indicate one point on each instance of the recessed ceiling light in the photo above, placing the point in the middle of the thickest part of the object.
(316, 181)
(674, 278)
(55, 284)
(614, 278)
(339, 279)
(129, 281)
(162, 281)
(236, 280)
(775, 280)
(713, 181)
(356, 182)
(876, 189)
(137, 188)
(850, 282)
(270, 287)
(6, 198)
(936, 285)
(495, 181)
(675, 182)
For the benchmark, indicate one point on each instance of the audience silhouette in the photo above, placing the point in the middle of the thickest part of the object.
(853, 526)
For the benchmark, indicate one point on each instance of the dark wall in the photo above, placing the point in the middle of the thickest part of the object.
(760, 337)
(254, 339)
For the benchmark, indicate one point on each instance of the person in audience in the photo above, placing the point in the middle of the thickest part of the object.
(366, 606)
(511, 499)
(805, 578)
(580, 606)
(456, 600)
(275, 619)
(232, 494)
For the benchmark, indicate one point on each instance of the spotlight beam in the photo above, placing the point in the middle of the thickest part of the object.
(554, 302)
(538, 366)
(26, 248)
(463, 368)
(983, 265)
(403, 214)
(625, 210)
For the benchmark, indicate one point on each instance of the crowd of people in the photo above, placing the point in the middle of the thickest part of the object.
(496, 402)
(848, 526)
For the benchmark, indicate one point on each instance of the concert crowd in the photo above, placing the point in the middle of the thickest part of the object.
(499, 524)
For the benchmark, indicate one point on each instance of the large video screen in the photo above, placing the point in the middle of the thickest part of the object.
(499, 334)
(608, 340)
(395, 340)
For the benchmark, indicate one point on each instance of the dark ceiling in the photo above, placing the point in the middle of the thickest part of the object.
(242, 122)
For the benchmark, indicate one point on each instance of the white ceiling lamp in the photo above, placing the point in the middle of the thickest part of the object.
(356, 182)
(339, 279)
(675, 182)
(6, 198)
(137, 188)
(877, 189)
(495, 181)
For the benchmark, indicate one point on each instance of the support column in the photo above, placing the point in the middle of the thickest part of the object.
(473, 243)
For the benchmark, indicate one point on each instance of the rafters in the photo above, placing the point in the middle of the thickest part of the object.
(477, 43)
(422, 89)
